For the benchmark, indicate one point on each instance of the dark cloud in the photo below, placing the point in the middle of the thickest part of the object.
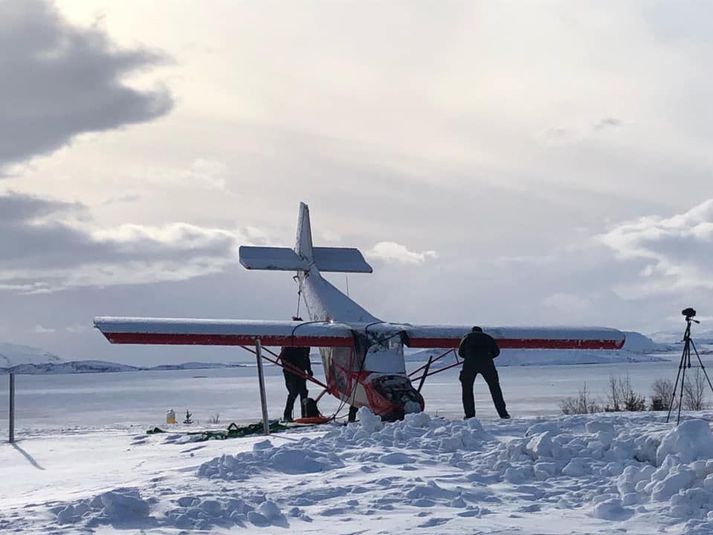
(60, 80)
(19, 207)
(44, 247)
(607, 122)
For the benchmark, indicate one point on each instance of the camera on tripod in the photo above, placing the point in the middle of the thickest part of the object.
(685, 363)
(689, 313)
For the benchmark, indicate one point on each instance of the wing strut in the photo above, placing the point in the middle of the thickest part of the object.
(261, 381)
(426, 368)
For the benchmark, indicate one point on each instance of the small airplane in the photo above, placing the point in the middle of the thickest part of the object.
(362, 355)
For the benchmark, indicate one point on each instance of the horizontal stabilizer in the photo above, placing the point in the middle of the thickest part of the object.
(209, 332)
(335, 259)
(272, 258)
(340, 259)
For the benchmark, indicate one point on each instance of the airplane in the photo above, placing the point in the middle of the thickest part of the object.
(362, 355)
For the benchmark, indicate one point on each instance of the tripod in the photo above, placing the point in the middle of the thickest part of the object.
(685, 363)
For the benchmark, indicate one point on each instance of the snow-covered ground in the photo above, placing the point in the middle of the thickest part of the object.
(84, 463)
(581, 474)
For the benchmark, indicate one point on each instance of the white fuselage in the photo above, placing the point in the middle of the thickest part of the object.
(380, 352)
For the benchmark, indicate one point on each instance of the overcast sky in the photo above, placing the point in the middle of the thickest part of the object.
(499, 163)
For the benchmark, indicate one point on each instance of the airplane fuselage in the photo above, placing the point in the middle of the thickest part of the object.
(373, 373)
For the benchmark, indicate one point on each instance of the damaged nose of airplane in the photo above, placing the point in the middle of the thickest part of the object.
(400, 394)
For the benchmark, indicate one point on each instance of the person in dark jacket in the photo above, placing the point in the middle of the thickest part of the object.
(295, 358)
(478, 350)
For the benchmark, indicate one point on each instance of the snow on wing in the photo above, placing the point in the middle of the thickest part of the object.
(592, 338)
(185, 331)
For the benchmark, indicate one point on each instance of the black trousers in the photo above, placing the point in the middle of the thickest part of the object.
(490, 374)
(296, 386)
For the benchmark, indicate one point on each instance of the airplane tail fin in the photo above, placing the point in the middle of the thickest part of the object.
(303, 244)
(304, 255)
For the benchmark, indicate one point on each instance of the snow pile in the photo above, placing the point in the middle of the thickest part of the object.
(289, 459)
(121, 508)
(204, 514)
(618, 472)
(674, 473)
(683, 480)
(371, 441)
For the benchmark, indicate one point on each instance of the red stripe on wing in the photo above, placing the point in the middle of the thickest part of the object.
(227, 339)
(522, 343)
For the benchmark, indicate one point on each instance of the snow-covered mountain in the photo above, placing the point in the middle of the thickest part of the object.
(194, 366)
(74, 366)
(15, 355)
(35, 361)
(699, 336)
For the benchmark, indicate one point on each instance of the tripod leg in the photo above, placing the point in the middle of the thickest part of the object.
(686, 353)
(702, 366)
(675, 385)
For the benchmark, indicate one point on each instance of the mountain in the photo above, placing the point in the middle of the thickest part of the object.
(15, 355)
(74, 366)
(639, 343)
(699, 336)
(194, 366)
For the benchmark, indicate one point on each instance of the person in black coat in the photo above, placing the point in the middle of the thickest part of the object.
(295, 358)
(478, 350)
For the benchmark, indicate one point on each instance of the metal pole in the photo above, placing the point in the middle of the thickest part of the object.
(261, 380)
(425, 374)
(12, 408)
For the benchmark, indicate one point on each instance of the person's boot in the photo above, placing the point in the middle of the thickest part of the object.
(287, 417)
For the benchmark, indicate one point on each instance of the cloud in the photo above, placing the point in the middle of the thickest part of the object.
(566, 135)
(202, 173)
(47, 245)
(59, 81)
(567, 302)
(677, 250)
(607, 122)
(395, 252)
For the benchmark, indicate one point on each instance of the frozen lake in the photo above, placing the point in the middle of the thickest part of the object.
(142, 398)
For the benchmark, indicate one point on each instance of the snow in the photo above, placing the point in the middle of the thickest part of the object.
(78, 366)
(80, 466)
(575, 474)
(101, 366)
(690, 441)
(15, 355)
(638, 343)
(254, 328)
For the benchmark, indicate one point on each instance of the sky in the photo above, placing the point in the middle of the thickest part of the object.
(498, 163)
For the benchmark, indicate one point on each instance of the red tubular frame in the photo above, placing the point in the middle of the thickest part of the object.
(286, 366)
(426, 367)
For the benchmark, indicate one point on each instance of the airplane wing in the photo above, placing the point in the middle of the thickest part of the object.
(444, 336)
(179, 331)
